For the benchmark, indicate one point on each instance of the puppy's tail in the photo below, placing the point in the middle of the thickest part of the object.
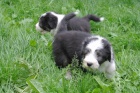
(63, 24)
(94, 18)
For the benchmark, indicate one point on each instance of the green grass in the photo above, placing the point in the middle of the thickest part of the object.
(26, 62)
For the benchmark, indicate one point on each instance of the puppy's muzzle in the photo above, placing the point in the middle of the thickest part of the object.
(91, 64)
(38, 28)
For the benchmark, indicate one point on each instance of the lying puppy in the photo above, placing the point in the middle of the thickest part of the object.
(50, 22)
(93, 52)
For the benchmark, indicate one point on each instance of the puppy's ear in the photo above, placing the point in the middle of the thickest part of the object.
(106, 51)
(52, 22)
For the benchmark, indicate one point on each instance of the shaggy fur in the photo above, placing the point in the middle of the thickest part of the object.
(49, 22)
(93, 52)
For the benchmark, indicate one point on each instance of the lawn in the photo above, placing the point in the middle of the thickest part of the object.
(26, 61)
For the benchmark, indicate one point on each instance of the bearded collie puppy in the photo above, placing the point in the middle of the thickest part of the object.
(50, 21)
(93, 52)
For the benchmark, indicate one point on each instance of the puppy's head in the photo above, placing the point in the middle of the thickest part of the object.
(96, 51)
(48, 21)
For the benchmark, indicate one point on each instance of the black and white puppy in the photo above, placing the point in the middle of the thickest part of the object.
(49, 22)
(93, 52)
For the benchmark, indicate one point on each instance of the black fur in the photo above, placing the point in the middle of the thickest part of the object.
(68, 44)
(82, 24)
(105, 53)
(65, 20)
(49, 22)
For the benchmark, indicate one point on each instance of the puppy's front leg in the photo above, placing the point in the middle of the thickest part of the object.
(68, 75)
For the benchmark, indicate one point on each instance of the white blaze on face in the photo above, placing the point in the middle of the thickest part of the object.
(59, 17)
(90, 60)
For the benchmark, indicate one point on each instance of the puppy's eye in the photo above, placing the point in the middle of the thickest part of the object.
(86, 51)
(98, 53)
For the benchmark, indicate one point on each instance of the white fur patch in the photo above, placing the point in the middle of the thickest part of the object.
(59, 17)
(91, 57)
(102, 19)
(39, 29)
(111, 68)
(44, 14)
(108, 68)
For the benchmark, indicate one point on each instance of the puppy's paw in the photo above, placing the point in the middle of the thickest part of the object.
(68, 75)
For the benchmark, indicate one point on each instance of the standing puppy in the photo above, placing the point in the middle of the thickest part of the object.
(50, 21)
(93, 52)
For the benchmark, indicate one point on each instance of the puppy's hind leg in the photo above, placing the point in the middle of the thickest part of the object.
(61, 60)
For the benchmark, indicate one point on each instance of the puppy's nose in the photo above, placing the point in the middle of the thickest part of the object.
(89, 64)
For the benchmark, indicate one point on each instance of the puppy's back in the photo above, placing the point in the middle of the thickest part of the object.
(79, 24)
(64, 22)
(69, 42)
